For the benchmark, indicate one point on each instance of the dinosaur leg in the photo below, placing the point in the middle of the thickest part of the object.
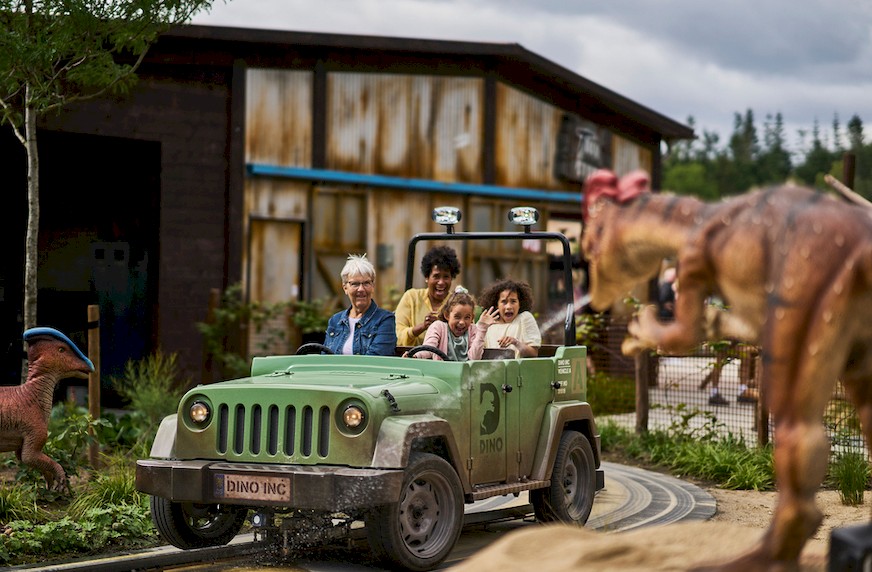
(32, 456)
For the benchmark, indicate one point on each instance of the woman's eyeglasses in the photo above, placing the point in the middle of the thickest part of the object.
(367, 284)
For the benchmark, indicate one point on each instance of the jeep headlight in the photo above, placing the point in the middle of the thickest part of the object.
(353, 416)
(199, 412)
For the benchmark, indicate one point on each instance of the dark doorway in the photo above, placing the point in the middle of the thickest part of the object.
(99, 224)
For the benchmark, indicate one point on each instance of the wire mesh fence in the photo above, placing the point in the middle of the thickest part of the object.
(718, 384)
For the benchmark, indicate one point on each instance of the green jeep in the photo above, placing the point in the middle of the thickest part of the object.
(309, 444)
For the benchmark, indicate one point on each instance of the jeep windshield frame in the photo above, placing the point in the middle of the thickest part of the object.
(526, 234)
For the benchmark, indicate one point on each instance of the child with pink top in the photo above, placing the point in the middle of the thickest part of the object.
(454, 333)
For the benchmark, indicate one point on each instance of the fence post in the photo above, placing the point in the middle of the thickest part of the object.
(94, 379)
(643, 368)
(763, 436)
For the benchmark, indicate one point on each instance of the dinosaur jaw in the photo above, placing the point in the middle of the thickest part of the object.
(613, 278)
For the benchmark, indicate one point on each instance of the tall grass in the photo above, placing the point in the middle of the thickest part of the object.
(849, 473)
(726, 462)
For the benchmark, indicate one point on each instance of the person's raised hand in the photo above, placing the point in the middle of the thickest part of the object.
(489, 316)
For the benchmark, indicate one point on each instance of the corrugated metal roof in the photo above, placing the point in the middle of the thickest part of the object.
(508, 61)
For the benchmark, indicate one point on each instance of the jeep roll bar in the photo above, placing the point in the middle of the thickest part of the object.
(526, 234)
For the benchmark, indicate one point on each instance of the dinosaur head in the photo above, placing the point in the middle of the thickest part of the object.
(611, 267)
(52, 347)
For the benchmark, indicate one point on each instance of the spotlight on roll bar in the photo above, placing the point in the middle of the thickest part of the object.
(447, 217)
(524, 216)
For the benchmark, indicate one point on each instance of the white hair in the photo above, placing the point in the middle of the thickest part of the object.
(357, 265)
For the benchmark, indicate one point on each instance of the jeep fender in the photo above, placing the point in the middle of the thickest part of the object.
(398, 434)
(558, 417)
(164, 446)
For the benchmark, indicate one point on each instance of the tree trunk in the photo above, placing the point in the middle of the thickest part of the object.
(31, 244)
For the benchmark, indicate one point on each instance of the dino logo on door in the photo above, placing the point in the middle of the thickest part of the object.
(488, 408)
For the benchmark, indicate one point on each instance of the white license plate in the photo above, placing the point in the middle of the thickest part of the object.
(252, 488)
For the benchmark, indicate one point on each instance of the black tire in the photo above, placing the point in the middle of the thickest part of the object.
(313, 348)
(569, 499)
(431, 349)
(188, 525)
(419, 531)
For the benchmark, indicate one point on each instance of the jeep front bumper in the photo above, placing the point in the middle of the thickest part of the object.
(292, 486)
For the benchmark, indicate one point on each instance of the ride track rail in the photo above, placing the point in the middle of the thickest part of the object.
(632, 498)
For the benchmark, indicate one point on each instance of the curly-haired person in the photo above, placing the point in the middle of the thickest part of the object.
(419, 307)
(516, 327)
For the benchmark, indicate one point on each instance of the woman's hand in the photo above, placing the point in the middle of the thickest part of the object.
(422, 327)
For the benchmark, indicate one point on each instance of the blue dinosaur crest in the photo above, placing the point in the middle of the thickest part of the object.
(45, 331)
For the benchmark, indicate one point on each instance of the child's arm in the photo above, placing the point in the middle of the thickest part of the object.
(478, 332)
(433, 337)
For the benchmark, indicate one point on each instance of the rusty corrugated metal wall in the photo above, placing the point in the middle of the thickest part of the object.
(405, 126)
(629, 156)
(419, 127)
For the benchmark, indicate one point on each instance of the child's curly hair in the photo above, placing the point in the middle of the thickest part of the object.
(490, 296)
(459, 296)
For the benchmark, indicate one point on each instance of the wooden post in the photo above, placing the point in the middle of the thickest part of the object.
(94, 378)
(849, 162)
(643, 368)
(763, 436)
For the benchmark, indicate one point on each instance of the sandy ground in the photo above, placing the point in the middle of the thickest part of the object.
(741, 519)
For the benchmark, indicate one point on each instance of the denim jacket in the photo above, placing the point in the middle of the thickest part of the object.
(375, 334)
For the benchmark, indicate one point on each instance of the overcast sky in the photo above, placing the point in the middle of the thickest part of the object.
(807, 59)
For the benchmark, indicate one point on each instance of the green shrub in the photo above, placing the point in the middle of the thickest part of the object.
(225, 325)
(97, 529)
(849, 472)
(611, 395)
(70, 431)
(18, 501)
(115, 485)
(151, 388)
(725, 461)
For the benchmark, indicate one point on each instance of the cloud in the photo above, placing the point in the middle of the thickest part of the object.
(680, 58)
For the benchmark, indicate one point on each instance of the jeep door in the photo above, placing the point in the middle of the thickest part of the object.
(490, 417)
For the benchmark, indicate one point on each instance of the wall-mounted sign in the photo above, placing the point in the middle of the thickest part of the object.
(582, 148)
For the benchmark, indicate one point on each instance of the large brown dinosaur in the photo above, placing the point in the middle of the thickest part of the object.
(795, 268)
(25, 408)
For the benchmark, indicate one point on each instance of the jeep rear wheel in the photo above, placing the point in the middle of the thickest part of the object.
(189, 525)
(419, 531)
(569, 499)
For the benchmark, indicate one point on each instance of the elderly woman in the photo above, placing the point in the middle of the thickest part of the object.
(364, 328)
(419, 307)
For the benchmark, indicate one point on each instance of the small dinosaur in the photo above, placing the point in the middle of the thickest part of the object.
(25, 408)
(795, 268)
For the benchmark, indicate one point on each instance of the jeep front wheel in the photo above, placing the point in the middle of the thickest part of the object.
(419, 531)
(189, 525)
(569, 499)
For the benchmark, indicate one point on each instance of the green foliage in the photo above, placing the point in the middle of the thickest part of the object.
(97, 529)
(589, 328)
(849, 473)
(19, 502)
(311, 317)
(67, 50)
(113, 486)
(697, 453)
(232, 313)
(152, 389)
(70, 431)
(609, 395)
(705, 168)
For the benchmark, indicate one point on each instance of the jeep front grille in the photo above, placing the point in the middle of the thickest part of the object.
(267, 432)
